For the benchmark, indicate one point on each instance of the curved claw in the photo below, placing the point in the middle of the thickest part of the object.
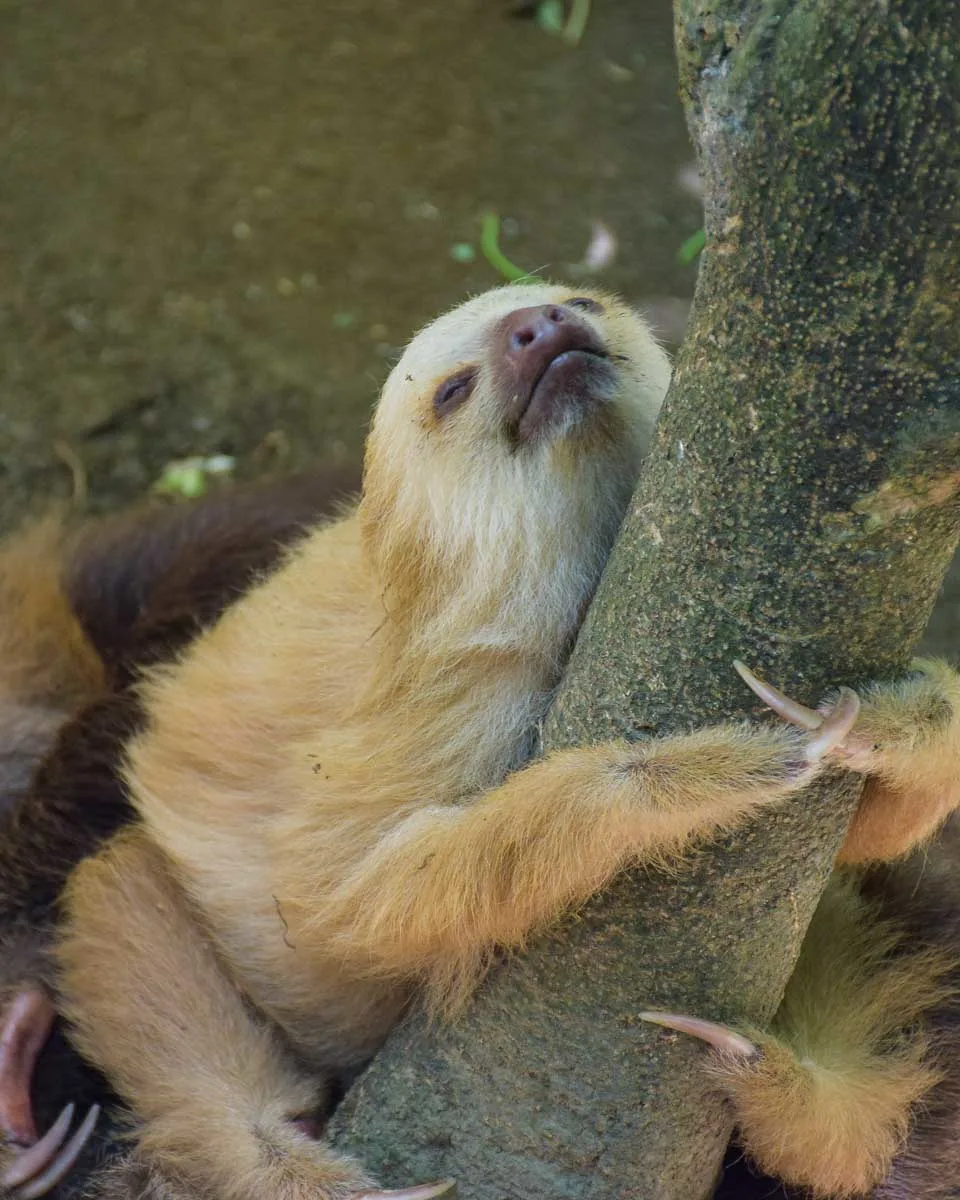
(64, 1161)
(34, 1172)
(791, 711)
(726, 1040)
(29, 1162)
(25, 1028)
(424, 1191)
(831, 730)
(837, 724)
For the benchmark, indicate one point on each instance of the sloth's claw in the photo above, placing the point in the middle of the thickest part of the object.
(836, 726)
(791, 711)
(726, 1040)
(425, 1191)
(29, 1162)
(25, 1028)
(830, 731)
(35, 1171)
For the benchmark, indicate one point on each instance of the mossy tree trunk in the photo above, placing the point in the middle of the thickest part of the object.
(799, 511)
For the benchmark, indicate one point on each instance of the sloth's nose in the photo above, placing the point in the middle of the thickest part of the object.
(531, 338)
(541, 331)
(541, 350)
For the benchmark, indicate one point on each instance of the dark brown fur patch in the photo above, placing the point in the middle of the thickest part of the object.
(142, 587)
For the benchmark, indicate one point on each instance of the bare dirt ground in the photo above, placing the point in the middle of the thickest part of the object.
(219, 222)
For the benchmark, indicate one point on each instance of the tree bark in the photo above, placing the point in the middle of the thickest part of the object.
(798, 511)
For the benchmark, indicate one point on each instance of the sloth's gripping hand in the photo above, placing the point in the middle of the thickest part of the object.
(907, 742)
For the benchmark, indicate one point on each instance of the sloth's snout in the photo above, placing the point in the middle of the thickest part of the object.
(548, 359)
(533, 337)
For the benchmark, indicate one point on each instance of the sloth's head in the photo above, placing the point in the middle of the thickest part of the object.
(504, 450)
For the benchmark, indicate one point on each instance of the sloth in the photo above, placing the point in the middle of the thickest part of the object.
(333, 815)
(81, 611)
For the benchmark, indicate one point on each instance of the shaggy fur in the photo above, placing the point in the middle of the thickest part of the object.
(49, 667)
(827, 1101)
(329, 823)
(924, 895)
(876, 1001)
(854, 1083)
(76, 604)
(116, 594)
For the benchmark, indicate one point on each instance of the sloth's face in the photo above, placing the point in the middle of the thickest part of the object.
(527, 366)
(513, 427)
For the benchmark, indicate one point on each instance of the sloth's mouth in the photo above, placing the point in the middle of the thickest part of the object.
(570, 384)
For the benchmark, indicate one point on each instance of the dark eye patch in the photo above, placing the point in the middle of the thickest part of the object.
(454, 391)
(584, 303)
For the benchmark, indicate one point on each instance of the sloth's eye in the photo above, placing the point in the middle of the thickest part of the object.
(584, 303)
(454, 391)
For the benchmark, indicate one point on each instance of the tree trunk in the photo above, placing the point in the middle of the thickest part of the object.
(799, 511)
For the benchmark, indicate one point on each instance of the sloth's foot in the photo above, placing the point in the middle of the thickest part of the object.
(31, 1166)
(828, 1099)
(29, 1172)
(830, 1127)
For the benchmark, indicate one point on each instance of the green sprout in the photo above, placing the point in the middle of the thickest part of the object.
(692, 247)
(490, 247)
(550, 16)
(188, 477)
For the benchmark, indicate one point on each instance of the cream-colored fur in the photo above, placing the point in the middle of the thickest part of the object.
(910, 734)
(330, 825)
(826, 1105)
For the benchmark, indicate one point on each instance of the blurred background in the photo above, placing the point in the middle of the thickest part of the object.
(220, 220)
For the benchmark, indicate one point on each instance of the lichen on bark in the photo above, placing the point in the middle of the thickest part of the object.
(798, 511)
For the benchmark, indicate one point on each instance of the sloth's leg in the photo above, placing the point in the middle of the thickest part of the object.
(220, 1101)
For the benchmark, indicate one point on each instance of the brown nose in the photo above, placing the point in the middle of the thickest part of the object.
(529, 340)
(537, 332)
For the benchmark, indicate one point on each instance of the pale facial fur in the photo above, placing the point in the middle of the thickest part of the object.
(518, 532)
